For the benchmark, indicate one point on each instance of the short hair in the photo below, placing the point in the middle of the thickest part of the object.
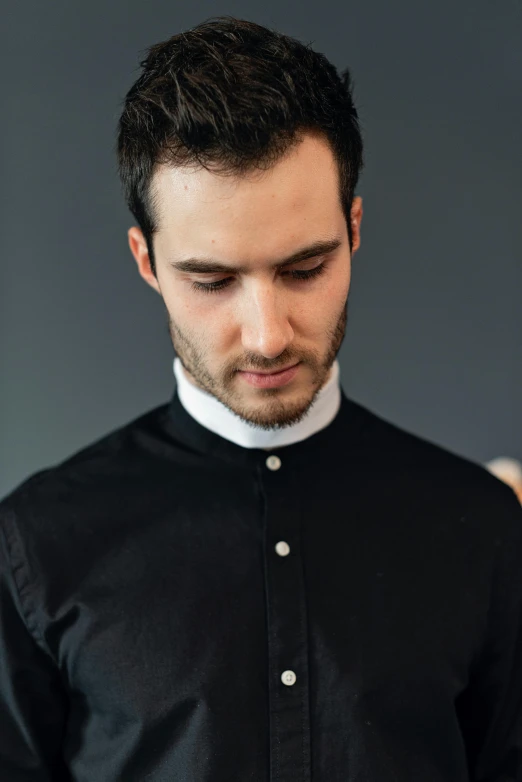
(232, 96)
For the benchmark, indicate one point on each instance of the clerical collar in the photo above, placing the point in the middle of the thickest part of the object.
(212, 414)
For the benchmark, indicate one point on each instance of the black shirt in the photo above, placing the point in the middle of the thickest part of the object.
(177, 608)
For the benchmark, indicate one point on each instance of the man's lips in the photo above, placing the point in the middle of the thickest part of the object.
(271, 379)
(276, 372)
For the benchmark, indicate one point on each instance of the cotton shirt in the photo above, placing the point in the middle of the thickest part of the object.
(175, 606)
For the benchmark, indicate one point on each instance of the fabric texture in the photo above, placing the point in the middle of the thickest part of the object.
(174, 606)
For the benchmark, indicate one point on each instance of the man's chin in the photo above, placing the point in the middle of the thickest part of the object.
(269, 413)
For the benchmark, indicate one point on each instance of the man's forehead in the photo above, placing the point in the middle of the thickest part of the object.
(303, 161)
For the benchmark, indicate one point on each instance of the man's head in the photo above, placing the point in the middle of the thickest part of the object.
(240, 146)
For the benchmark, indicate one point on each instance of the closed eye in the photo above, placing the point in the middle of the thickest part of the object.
(211, 287)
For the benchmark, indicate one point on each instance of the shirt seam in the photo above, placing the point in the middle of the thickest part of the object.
(20, 577)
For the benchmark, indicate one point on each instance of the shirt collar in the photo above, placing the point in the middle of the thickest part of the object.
(334, 444)
(212, 414)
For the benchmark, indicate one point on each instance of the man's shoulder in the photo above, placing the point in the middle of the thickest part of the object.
(87, 469)
(431, 470)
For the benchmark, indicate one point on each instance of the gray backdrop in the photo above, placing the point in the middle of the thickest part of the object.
(435, 323)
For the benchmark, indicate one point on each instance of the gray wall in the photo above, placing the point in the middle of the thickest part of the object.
(435, 328)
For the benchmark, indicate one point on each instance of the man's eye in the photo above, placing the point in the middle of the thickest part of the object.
(211, 287)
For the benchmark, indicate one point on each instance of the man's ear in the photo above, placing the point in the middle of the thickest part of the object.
(138, 247)
(356, 214)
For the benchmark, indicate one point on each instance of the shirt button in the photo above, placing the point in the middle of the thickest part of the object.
(273, 462)
(282, 548)
(288, 678)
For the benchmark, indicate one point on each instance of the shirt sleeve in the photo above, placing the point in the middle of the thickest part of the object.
(33, 703)
(492, 703)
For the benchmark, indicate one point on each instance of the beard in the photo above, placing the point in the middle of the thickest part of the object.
(267, 408)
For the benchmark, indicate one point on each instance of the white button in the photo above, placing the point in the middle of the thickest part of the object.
(288, 678)
(273, 462)
(282, 548)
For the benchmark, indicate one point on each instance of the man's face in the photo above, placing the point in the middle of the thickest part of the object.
(263, 318)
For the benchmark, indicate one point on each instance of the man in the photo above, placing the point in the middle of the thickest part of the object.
(261, 579)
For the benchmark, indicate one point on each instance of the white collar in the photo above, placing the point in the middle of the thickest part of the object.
(211, 413)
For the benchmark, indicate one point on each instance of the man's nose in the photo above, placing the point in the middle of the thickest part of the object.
(265, 328)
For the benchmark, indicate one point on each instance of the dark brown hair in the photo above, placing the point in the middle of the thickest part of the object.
(232, 96)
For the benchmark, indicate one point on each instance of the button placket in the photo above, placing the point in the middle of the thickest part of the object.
(287, 629)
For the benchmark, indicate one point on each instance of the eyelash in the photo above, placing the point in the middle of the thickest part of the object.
(211, 287)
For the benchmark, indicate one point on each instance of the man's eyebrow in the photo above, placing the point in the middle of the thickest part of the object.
(210, 266)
